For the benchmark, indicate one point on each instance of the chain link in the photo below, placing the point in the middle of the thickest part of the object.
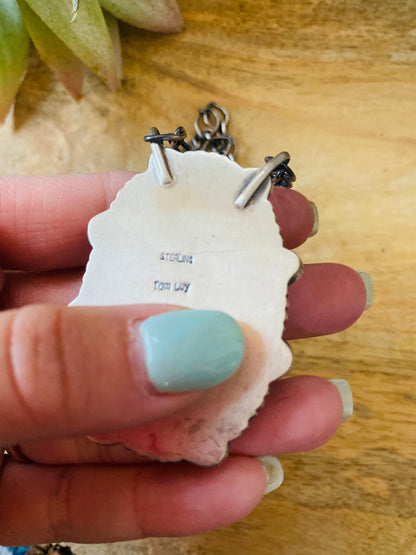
(211, 131)
(282, 175)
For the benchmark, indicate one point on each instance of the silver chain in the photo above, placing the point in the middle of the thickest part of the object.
(211, 131)
(211, 135)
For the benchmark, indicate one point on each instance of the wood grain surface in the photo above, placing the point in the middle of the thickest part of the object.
(334, 83)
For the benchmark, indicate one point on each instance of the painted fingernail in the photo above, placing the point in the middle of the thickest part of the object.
(316, 219)
(368, 284)
(189, 350)
(274, 473)
(345, 392)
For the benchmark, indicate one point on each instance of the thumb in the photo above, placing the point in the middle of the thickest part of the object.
(83, 370)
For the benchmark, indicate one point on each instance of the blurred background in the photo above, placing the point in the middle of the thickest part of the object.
(334, 83)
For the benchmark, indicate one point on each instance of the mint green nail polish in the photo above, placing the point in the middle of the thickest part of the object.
(191, 349)
(368, 284)
(315, 228)
(345, 392)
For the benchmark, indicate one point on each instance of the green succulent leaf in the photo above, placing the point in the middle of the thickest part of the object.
(61, 60)
(14, 46)
(162, 16)
(84, 31)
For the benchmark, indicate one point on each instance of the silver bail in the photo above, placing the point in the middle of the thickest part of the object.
(163, 169)
(258, 180)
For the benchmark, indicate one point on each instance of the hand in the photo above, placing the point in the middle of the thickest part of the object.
(57, 382)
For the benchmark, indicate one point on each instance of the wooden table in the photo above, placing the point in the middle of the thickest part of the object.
(334, 83)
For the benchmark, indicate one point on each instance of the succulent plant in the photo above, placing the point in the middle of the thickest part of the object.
(73, 37)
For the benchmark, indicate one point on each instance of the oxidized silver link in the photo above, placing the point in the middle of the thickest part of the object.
(224, 144)
(282, 175)
(219, 125)
(209, 127)
(211, 131)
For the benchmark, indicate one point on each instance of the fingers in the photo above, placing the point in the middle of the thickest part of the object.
(326, 299)
(294, 214)
(44, 219)
(79, 450)
(81, 370)
(99, 504)
(299, 414)
(54, 287)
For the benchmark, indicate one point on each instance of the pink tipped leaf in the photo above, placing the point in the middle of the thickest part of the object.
(162, 16)
(82, 28)
(61, 60)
